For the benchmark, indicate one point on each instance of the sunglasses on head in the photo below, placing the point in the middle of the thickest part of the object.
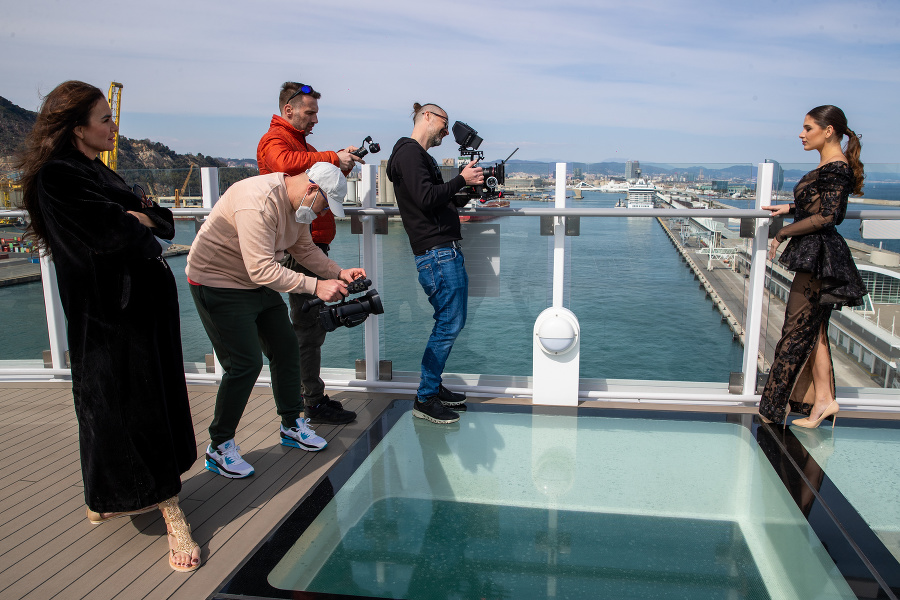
(303, 89)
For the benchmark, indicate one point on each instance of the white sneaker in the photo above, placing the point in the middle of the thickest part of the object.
(226, 461)
(302, 436)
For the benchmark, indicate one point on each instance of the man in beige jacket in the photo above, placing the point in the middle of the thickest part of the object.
(236, 281)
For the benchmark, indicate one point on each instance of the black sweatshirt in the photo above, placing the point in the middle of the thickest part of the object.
(424, 200)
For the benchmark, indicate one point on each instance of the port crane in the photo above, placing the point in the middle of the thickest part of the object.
(110, 157)
(180, 193)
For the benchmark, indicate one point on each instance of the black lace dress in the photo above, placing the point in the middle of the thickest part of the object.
(825, 278)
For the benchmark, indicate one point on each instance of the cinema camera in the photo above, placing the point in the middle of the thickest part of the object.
(374, 148)
(348, 313)
(494, 175)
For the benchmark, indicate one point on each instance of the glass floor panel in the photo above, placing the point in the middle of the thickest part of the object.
(509, 503)
(864, 464)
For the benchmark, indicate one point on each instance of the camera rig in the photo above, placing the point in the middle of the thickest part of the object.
(374, 148)
(348, 313)
(494, 175)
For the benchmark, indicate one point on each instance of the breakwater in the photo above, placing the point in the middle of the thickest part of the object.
(25, 267)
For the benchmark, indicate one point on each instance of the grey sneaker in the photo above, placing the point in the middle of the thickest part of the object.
(302, 436)
(433, 410)
(226, 460)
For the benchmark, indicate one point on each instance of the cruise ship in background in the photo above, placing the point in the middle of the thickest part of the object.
(641, 194)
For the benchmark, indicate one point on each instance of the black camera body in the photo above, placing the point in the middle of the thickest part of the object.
(374, 148)
(494, 175)
(348, 313)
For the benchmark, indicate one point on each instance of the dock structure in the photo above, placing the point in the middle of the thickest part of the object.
(18, 270)
(725, 286)
(14, 271)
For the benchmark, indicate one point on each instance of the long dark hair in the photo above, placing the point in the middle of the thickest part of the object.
(65, 108)
(831, 115)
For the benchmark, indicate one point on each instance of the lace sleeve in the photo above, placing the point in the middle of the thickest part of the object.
(827, 203)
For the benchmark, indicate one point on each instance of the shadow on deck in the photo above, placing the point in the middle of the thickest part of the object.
(51, 550)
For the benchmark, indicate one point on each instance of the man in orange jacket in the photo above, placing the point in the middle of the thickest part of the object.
(284, 149)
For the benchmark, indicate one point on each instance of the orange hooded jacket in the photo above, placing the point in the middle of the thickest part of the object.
(284, 149)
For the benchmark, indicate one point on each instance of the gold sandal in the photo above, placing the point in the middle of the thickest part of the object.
(181, 530)
(96, 518)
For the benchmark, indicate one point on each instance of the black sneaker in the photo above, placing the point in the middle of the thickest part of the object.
(451, 399)
(329, 412)
(433, 410)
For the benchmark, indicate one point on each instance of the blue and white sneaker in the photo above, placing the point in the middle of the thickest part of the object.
(226, 461)
(302, 436)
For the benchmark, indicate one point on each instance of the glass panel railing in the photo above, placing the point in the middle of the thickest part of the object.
(642, 312)
(639, 300)
(344, 346)
(23, 335)
(230, 175)
(509, 284)
(162, 185)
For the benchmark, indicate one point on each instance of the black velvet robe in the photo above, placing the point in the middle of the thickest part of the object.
(119, 296)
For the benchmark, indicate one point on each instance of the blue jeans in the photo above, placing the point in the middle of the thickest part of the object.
(442, 274)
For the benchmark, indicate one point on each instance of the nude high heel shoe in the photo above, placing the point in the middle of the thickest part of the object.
(831, 409)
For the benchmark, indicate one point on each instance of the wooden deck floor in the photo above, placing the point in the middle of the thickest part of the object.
(49, 548)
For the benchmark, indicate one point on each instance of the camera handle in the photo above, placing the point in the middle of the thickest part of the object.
(309, 304)
(360, 284)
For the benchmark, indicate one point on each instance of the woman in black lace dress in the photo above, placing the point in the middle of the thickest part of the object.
(802, 376)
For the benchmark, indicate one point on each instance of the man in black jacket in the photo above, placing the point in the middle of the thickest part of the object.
(432, 224)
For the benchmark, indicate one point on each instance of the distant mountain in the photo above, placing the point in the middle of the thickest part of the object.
(238, 162)
(617, 169)
(16, 122)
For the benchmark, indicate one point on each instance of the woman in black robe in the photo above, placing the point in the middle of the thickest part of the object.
(134, 421)
(802, 375)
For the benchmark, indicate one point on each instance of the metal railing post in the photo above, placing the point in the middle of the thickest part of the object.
(757, 282)
(370, 253)
(559, 238)
(56, 318)
(209, 185)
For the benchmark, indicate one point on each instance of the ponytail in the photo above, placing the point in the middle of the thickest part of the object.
(416, 109)
(852, 153)
(829, 114)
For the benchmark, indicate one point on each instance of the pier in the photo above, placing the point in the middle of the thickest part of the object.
(18, 268)
(725, 287)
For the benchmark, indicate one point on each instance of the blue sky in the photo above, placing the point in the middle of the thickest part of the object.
(678, 81)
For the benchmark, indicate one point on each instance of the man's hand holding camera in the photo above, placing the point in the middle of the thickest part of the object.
(473, 174)
(331, 290)
(348, 159)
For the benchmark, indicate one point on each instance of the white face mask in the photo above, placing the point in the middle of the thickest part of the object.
(305, 214)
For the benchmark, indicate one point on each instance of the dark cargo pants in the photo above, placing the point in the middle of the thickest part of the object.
(242, 326)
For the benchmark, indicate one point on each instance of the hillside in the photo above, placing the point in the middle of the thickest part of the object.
(16, 122)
